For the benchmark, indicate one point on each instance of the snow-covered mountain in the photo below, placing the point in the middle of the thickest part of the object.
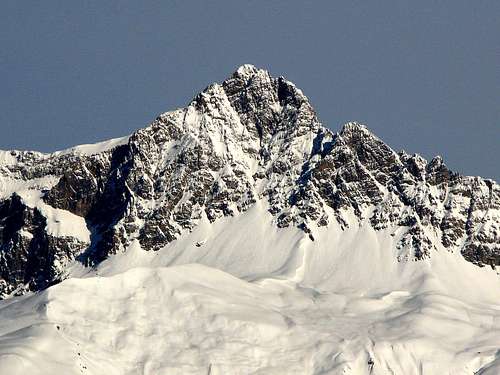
(238, 235)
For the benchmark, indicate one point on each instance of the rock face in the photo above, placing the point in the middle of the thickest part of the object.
(30, 257)
(253, 137)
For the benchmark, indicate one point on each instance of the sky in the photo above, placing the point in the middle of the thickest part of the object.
(424, 76)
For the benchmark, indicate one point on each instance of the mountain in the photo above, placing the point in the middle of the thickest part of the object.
(238, 235)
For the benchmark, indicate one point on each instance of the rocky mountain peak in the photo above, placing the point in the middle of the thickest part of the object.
(356, 134)
(248, 71)
(265, 103)
(252, 138)
(354, 127)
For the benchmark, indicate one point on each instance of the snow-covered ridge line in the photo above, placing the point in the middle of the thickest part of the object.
(94, 148)
(8, 157)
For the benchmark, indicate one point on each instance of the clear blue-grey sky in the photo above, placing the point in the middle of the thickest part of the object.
(423, 75)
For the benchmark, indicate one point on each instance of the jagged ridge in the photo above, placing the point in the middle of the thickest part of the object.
(251, 138)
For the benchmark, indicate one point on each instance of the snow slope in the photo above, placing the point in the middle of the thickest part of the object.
(268, 302)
